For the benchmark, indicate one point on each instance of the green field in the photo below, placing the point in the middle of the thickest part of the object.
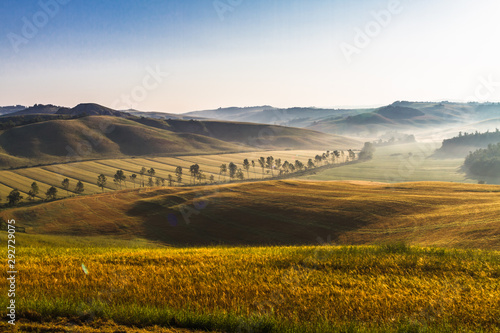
(393, 164)
(388, 288)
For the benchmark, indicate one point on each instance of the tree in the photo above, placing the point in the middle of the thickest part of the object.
(212, 179)
(240, 175)
(65, 185)
(367, 152)
(299, 165)
(352, 155)
(14, 197)
(270, 164)
(253, 166)
(178, 174)
(142, 172)
(194, 170)
(51, 193)
(223, 169)
(170, 180)
(232, 170)
(278, 164)
(33, 191)
(158, 182)
(101, 181)
(150, 182)
(151, 172)
(317, 159)
(262, 162)
(133, 177)
(119, 177)
(246, 166)
(79, 187)
(310, 164)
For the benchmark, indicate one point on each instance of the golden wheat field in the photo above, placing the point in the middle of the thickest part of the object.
(87, 172)
(392, 287)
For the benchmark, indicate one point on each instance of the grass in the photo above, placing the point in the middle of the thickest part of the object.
(393, 164)
(280, 213)
(261, 289)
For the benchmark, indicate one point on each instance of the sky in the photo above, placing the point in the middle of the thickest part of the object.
(185, 55)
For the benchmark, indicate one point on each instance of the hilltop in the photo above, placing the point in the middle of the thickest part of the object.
(280, 213)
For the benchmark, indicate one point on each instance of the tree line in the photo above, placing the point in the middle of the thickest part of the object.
(484, 162)
(269, 166)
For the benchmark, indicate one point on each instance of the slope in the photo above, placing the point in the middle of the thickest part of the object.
(281, 212)
(98, 137)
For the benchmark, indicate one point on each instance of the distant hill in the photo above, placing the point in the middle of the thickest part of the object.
(295, 117)
(94, 137)
(280, 212)
(256, 135)
(10, 109)
(97, 137)
(409, 117)
(38, 109)
(91, 109)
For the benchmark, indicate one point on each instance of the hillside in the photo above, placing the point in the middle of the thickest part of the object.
(281, 212)
(97, 137)
(256, 135)
(91, 109)
(93, 137)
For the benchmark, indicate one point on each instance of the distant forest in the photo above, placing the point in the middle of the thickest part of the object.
(465, 142)
(484, 162)
(473, 139)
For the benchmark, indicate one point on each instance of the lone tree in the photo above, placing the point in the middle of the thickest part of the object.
(79, 187)
(170, 180)
(367, 152)
(150, 182)
(51, 193)
(33, 191)
(246, 166)
(142, 172)
(14, 197)
(232, 170)
(253, 166)
(212, 179)
(65, 185)
(299, 165)
(178, 174)
(101, 181)
(133, 177)
(223, 169)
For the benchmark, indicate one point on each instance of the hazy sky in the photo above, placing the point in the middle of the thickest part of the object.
(324, 53)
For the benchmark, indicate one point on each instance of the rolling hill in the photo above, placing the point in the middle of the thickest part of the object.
(92, 137)
(281, 212)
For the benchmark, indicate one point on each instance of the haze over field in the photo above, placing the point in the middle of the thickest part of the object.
(281, 166)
